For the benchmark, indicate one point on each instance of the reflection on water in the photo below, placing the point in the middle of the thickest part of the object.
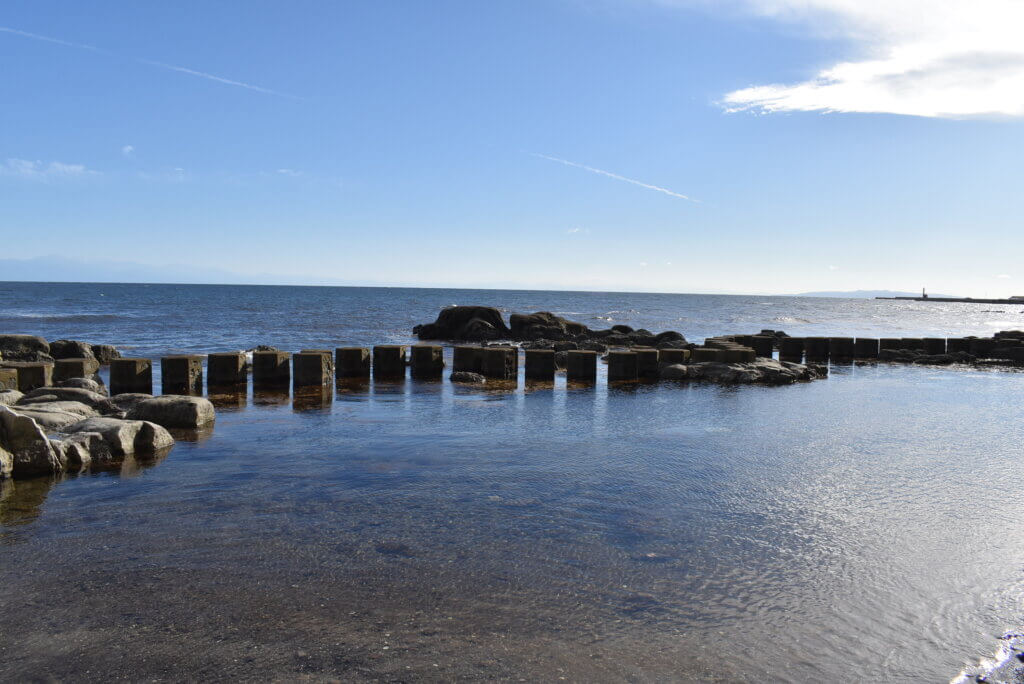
(853, 528)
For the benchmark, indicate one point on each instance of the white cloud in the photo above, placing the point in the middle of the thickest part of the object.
(127, 151)
(931, 58)
(41, 171)
(1004, 276)
(833, 268)
(289, 172)
(643, 263)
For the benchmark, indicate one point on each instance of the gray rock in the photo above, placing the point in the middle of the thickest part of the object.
(57, 414)
(70, 349)
(83, 449)
(467, 377)
(47, 394)
(105, 353)
(126, 401)
(125, 437)
(174, 411)
(24, 348)
(86, 384)
(32, 453)
(10, 397)
(675, 371)
(6, 464)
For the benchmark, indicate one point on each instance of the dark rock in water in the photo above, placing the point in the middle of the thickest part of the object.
(468, 378)
(545, 325)
(920, 358)
(564, 346)
(763, 371)
(263, 348)
(71, 349)
(594, 346)
(105, 353)
(623, 329)
(472, 323)
(24, 348)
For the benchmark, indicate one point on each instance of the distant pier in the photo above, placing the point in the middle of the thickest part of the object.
(964, 300)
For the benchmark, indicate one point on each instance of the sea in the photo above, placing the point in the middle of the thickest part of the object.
(864, 527)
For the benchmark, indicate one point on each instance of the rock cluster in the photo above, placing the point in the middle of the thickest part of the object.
(74, 426)
(761, 371)
(32, 348)
(540, 330)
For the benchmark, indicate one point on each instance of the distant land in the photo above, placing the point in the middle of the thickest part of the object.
(869, 294)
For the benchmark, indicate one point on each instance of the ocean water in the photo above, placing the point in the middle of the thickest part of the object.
(860, 528)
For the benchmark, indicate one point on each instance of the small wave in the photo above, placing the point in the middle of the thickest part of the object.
(789, 319)
(1001, 666)
(65, 318)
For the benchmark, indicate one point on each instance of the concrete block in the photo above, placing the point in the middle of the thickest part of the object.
(225, 369)
(389, 361)
(914, 343)
(468, 359)
(181, 375)
(737, 354)
(958, 344)
(673, 356)
(271, 369)
(934, 345)
(890, 343)
(816, 348)
(705, 354)
(763, 345)
(840, 348)
(313, 368)
(33, 374)
(351, 362)
(646, 362)
(581, 365)
(865, 348)
(791, 349)
(131, 376)
(427, 361)
(623, 366)
(8, 378)
(540, 364)
(501, 363)
(982, 347)
(65, 369)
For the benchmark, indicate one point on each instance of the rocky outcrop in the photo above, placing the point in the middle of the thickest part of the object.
(24, 348)
(30, 450)
(172, 411)
(763, 371)
(122, 403)
(471, 323)
(70, 349)
(540, 330)
(48, 394)
(105, 353)
(55, 415)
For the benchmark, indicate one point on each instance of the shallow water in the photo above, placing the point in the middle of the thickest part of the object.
(862, 527)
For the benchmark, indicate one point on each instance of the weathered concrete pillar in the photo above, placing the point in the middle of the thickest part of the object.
(540, 364)
(737, 354)
(705, 354)
(389, 361)
(840, 348)
(763, 345)
(468, 359)
(934, 346)
(980, 346)
(646, 362)
(33, 374)
(65, 369)
(501, 363)
(8, 378)
(312, 398)
(623, 366)
(225, 369)
(890, 343)
(182, 375)
(865, 348)
(351, 363)
(958, 344)
(791, 349)
(427, 361)
(673, 356)
(914, 343)
(131, 375)
(581, 365)
(816, 348)
(271, 369)
(312, 368)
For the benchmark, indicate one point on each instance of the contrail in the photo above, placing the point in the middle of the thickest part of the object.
(616, 176)
(147, 62)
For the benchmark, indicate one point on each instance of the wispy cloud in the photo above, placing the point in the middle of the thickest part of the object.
(1004, 276)
(149, 62)
(42, 171)
(951, 59)
(127, 150)
(609, 174)
(289, 172)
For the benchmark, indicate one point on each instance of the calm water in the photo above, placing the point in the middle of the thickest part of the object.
(864, 527)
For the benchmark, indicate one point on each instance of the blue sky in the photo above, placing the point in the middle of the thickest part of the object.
(677, 145)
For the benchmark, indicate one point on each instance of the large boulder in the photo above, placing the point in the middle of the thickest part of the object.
(125, 437)
(47, 394)
(24, 348)
(31, 451)
(70, 349)
(173, 411)
(545, 325)
(10, 397)
(123, 402)
(105, 353)
(763, 371)
(472, 323)
(55, 415)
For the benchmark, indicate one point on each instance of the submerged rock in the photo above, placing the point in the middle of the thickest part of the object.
(761, 371)
(173, 411)
(467, 377)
